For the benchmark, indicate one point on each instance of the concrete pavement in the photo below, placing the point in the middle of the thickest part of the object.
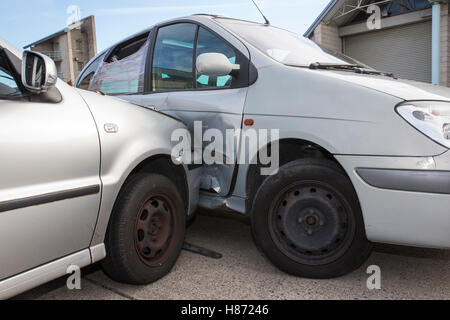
(243, 273)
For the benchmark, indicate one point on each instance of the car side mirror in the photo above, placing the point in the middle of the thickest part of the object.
(38, 72)
(215, 65)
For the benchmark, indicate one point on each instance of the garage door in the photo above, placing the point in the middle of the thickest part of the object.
(405, 50)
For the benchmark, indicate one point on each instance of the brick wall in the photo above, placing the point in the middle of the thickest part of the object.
(327, 35)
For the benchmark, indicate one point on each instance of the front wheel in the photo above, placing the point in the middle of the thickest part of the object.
(146, 231)
(308, 222)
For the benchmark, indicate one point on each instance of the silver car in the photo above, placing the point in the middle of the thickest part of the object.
(84, 177)
(363, 156)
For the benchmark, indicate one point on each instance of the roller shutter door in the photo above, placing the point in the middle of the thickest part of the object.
(405, 50)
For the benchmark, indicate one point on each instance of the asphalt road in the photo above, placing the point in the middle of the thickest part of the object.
(243, 273)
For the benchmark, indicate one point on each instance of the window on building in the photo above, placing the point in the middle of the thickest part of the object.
(79, 45)
(57, 52)
(123, 71)
(8, 86)
(59, 70)
(173, 58)
(207, 43)
(417, 4)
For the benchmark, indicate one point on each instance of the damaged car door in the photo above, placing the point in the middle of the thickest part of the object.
(209, 104)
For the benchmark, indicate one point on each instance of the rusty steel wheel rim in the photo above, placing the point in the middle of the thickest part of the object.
(155, 230)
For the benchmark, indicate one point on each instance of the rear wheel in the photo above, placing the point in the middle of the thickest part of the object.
(146, 230)
(308, 222)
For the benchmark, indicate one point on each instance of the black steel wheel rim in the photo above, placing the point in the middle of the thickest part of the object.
(311, 222)
(156, 227)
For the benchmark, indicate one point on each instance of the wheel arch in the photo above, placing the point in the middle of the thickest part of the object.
(290, 149)
(162, 164)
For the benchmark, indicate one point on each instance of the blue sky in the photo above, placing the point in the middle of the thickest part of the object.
(25, 21)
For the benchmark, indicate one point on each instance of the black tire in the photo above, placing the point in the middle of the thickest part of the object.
(308, 222)
(146, 230)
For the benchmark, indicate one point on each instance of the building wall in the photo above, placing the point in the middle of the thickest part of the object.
(87, 35)
(44, 47)
(328, 35)
(66, 57)
(70, 57)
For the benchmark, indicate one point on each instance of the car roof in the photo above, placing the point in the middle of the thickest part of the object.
(194, 17)
(6, 45)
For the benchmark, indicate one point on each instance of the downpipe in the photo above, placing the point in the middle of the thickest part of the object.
(436, 41)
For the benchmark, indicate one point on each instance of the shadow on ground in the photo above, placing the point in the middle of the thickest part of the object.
(244, 273)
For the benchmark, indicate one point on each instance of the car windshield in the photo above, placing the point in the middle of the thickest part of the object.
(8, 86)
(285, 46)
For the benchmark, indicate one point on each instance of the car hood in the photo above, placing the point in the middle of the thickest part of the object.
(400, 88)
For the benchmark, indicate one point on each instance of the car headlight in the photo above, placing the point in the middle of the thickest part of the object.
(432, 118)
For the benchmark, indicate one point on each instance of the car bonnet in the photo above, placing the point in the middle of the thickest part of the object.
(400, 88)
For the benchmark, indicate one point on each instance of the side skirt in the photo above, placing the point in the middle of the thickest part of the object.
(20, 283)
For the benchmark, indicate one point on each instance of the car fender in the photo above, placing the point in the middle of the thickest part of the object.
(129, 134)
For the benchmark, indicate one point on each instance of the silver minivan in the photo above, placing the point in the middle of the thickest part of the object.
(84, 178)
(363, 156)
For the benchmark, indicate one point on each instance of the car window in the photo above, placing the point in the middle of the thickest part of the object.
(282, 45)
(8, 85)
(86, 77)
(209, 43)
(123, 72)
(173, 58)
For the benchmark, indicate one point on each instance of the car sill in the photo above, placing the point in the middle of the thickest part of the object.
(43, 274)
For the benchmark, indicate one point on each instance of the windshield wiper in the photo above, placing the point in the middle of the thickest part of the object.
(318, 65)
(352, 67)
(371, 71)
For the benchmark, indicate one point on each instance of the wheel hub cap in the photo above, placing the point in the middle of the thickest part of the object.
(154, 230)
(310, 221)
